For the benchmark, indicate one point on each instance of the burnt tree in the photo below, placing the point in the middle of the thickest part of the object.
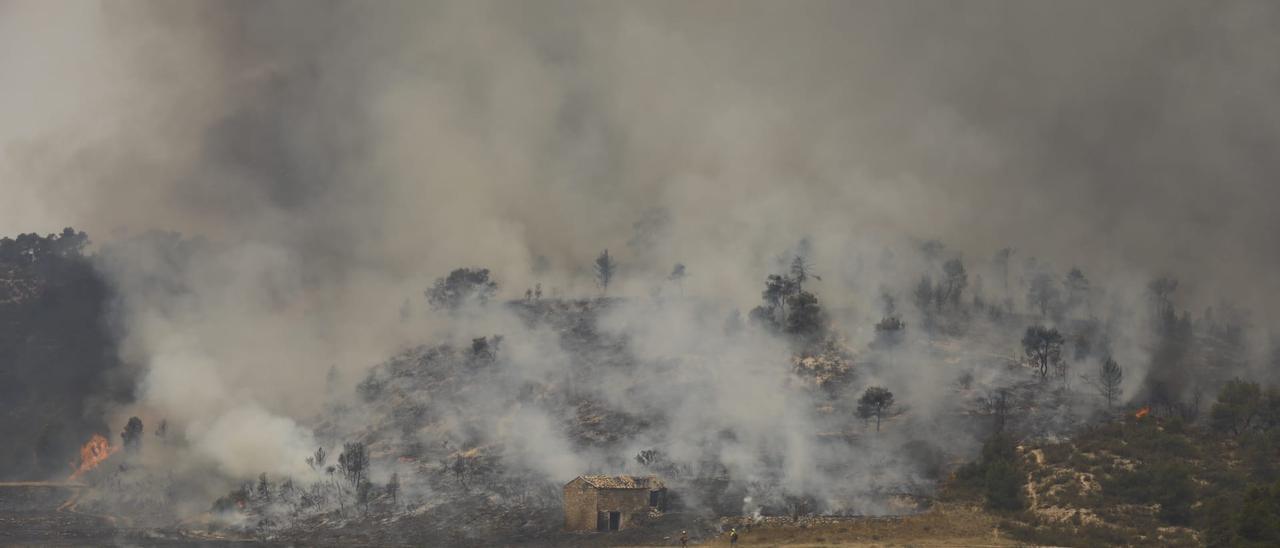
(605, 268)
(1043, 347)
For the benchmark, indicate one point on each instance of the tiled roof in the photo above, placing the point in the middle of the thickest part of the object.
(623, 482)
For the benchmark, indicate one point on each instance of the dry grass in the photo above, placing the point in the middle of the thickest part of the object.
(944, 525)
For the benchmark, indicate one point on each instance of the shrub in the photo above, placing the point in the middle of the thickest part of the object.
(1259, 517)
(1238, 406)
(462, 286)
(996, 475)
(1003, 486)
(1166, 484)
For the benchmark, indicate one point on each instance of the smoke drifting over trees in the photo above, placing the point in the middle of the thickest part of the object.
(273, 186)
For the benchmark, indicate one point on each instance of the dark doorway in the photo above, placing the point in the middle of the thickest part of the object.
(615, 519)
(602, 521)
(653, 499)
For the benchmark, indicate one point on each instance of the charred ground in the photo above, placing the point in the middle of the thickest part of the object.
(468, 441)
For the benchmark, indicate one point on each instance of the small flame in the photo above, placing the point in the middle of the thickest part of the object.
(96, 450)
(1142, 412)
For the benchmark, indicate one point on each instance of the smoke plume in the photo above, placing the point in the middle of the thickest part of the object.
(325, 161)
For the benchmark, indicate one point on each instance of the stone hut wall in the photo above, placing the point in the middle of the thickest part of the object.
(633, 504)
(579, 506)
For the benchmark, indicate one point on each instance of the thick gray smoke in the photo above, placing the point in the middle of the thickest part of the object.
(337, 156)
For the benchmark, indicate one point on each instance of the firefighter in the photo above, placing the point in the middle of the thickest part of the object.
(684, 538)
(733, 537)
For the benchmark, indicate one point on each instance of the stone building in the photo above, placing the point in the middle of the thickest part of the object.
(612, 503)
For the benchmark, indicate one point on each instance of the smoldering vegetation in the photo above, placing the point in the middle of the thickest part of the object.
(794, 259)
(783, 407)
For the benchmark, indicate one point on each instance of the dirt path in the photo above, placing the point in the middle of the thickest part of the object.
(66, 484)
(1033, 500)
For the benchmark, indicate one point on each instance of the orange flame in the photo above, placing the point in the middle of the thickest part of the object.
(1142, 412)
(96, 450)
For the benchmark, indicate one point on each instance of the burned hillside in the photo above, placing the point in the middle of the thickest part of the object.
(791, 413)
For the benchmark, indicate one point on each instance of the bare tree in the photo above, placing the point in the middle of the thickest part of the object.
(364, 490)
(1044, 294)
(605, 268)
(393, 487)
(924, 294)
(264, 487)
(316, 461)
(1077, 289)
(954, 281)
(1043, 346)
(1160, 290)
(1061, 370)
(1001, 263)
(354, 462)
(337, 489)
(802, 270)
(1108, 384)
(998, 406)
(677, 275)
(979, 298)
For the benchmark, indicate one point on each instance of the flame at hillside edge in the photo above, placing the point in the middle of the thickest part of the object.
(96, 450)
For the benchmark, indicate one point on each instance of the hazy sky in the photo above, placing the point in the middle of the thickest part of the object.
(346, 153)
(404, 138)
